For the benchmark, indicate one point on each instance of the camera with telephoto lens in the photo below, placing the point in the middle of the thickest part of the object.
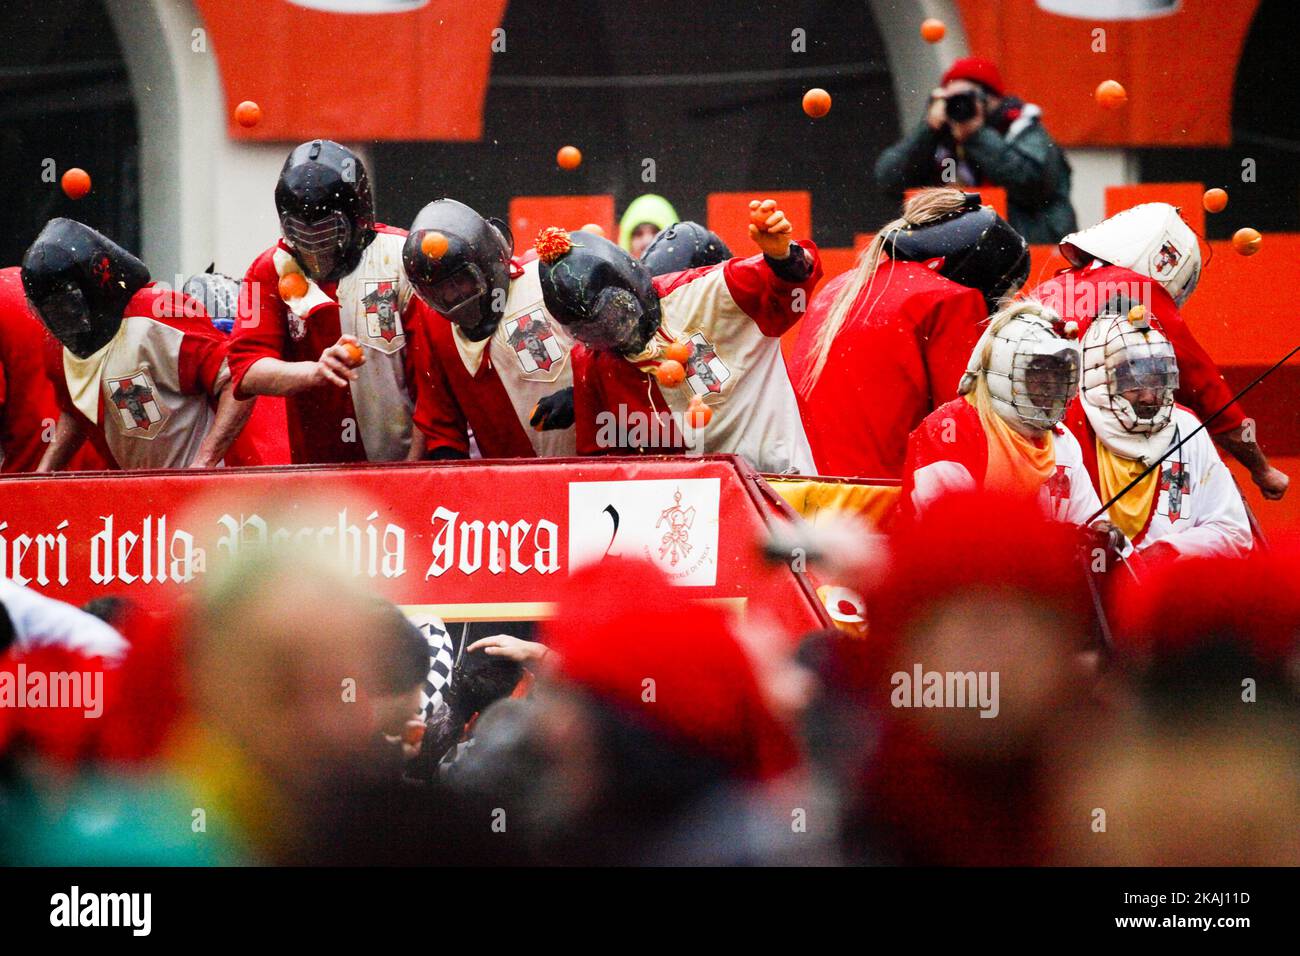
(960, 107)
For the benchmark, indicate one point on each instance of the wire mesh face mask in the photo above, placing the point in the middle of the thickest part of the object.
(1133, 373)
(318, 245)
(1032, 373)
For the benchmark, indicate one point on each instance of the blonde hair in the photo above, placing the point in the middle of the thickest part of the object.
(927, 206)
(974, 381)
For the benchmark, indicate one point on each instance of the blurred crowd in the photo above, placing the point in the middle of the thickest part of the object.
(286, 716)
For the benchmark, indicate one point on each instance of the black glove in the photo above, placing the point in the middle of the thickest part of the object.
(554, 411)
(1105, 535)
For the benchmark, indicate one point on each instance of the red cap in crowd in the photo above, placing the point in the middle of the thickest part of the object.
(620, 623)
(978, 70)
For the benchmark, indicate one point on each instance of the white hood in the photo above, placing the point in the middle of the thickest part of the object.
(1151, 239)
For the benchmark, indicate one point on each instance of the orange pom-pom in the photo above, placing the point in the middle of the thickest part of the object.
(932, 30)
(434, 245)
(678, 352)
(1110, 95)
(569, 157)
(816, 103)
(1215, 200)
(552, 243)
(76, 183)
(670, 373)
(248, 114)
(697, 413)
(354, 353)
(1247, 241)
(292, 286)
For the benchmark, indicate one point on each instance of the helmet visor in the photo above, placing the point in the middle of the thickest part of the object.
(1147, 381)
(457, 295)
(615, 321)
(67, 315)
(318, 245)
(1044, 385)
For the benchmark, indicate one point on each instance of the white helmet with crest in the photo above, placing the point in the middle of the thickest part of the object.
(1151, 239)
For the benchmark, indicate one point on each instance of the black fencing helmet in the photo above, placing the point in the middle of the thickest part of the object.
(603, 296)
(79, 283)
(978, 247)
(682, 246)
(464, 277)
(327, 216)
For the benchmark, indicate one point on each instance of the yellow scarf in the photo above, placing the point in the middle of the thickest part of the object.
(1114, 473)
(1017, 465)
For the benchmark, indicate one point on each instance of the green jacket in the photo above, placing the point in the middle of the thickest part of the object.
(1027, 163)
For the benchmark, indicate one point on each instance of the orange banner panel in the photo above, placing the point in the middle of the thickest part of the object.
(531, 214)
(728, 216)
(1186, 196)
(1178, 67)
(409, 75)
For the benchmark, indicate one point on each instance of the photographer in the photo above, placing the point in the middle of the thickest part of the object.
(973, 134)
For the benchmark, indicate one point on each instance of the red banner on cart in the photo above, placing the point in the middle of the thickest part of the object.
(471, 541)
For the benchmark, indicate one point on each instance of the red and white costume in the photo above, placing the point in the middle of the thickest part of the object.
(733, 314)
(949, 453)
(492, 386)
(1080, 294)
(146, 399)
(900, 354)
(372, 303)
(1197, 508)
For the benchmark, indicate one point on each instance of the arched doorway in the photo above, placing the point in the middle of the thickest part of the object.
(65, 100)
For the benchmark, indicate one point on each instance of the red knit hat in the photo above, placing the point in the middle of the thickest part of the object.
(620, 623)
(977, 70)
(1185, 604)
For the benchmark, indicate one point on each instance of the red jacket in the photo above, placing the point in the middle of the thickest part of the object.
(899, 356)
(28, 408)
(733, 314)
(168, 365)
(507, 380)
(318, 418)
(1079, 294)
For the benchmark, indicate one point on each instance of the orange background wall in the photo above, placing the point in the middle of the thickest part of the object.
(1243, 311)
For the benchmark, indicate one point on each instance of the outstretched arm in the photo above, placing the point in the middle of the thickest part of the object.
(232, 415)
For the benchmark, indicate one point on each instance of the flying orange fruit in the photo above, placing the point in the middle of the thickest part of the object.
(1215, 200)
(816, 102)
(1247, 241)
(434, 244)
(569, 157)
(1110, 95)
(932, 30)
(76, 183)
(248, 114)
